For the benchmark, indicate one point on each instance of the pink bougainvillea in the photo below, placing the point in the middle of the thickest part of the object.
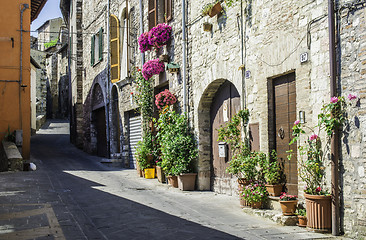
(144, 42)
(164, 98)
(296, 122)
(152, 67)
(334, 100)
(313, 137)
(159, 35)
(351, 96)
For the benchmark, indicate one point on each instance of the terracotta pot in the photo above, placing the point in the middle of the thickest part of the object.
(139, 171)
(242, 183)
(244, 203)
(215, 10)
(173, 180)
(303, 221)
(187, 181)
(160, 174)
(318, 211)
(256, 205)
(274, 190)
(288, 207)
(207, 27)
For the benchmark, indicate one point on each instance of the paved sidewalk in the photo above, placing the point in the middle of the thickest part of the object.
(72, 195)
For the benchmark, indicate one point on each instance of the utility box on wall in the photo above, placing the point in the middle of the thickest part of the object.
(223, 150)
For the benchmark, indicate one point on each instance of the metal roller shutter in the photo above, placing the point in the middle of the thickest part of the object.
(135, 136)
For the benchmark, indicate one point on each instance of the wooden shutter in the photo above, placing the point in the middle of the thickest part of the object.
(168, 10)
(114, 45)
(92, 50)
(100, 44)
(152, 14)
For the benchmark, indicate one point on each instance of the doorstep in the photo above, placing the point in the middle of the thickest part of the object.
(272, 212)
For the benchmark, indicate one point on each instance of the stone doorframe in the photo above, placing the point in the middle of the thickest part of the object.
(204, 135)
(97, 101)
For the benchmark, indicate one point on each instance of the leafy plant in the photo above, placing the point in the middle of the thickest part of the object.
(287, 197)
(10, 136)
(177, 143)
(145, 151)
(313, 152)
(255, 192)
(273, 169)
(301, 212)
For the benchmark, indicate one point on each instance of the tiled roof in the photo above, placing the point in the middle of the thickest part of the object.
(36, 6)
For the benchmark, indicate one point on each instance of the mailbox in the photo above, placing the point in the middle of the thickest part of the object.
(222, 150)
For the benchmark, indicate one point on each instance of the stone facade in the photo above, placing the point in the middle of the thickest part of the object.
(48, 32)
(250, 46)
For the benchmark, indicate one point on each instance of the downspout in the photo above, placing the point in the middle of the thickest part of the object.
(23, 7)
(184, 42)
(243, 51)
(335, 137)
(108, 82)
(142, 30)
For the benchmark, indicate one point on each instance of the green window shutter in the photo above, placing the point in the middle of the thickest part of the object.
(92, 50)
(100, 44)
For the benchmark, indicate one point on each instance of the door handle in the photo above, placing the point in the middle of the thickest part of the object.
(281, 133)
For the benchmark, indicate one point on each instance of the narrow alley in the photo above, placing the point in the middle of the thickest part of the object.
(72, 195)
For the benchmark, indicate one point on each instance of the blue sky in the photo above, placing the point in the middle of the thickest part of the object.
(50, 10)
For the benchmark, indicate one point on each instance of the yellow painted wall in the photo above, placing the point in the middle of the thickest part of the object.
(10, 92)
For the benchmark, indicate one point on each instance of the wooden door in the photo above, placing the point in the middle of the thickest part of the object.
(224, 106)
(285, 116)
(102, 149)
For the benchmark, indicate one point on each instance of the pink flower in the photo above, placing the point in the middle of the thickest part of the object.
(318, 189)
(351, 96)
(296, 122)
(313, 137)
(334, 100)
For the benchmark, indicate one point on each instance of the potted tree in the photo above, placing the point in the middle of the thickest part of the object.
(288, 204)
(178, 148)
(311, 161)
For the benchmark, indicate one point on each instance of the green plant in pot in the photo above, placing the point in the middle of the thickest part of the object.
(273, 174)
(255, 194)
(145, 151)
(211, 9)
(178, 146)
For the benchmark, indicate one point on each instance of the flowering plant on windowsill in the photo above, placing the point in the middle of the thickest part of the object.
(152, 67)
(314, 152)
(164, 98)
(287, 197)
(159, 35)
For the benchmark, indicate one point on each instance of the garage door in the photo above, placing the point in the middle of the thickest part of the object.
(135, 135)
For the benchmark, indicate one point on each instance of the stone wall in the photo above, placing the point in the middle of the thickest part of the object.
(352, 43)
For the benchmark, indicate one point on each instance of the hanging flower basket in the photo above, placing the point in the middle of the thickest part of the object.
(160, 35)
(164, 98)
(144, 42)
(152, 68)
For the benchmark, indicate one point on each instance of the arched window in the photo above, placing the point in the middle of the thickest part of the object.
(114, 45)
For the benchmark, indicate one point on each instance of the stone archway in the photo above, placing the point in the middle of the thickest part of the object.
(98, 132)
(210, 105)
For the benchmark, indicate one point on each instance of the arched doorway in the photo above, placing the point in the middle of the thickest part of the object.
(218, 104)
(98, 123)
(116, 130)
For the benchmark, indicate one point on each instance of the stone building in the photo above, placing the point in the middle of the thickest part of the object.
(48, 32)
(268, 57)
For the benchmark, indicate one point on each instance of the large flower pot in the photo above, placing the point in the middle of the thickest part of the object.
(318, 212)
(187, 181)
(274, 190)
(302, 221)
(173, 180)
(160, 174)
(244, 203)
(288, 207)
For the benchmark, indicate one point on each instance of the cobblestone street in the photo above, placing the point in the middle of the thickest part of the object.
(72, 195)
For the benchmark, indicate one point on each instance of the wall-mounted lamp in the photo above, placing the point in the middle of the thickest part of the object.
(302, 116)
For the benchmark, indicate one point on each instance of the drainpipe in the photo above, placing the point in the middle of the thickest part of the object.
(184, 41)
(243, 49)
(23, 7)
(335, 137)
(142, 31)
(108, 82)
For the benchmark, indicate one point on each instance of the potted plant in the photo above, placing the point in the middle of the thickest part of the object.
(211, 9)
(255, 194)
(178, 148)
(288, 204)
(152, 68)
(164, 98)
(159, 35)
(273, 172)
(311, 160)
(159, 171)
(145, 155)
(301, 214)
